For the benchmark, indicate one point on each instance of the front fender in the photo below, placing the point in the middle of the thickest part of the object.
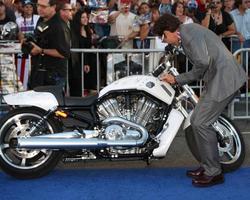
(43, 100)
(187, 122)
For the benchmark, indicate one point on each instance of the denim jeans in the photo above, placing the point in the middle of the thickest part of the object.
(237, 45)
(102, 29)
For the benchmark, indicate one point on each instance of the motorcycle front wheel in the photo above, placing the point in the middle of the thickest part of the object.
(26, 163)
(231, 145)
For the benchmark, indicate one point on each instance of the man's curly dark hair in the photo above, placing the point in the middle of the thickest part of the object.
(166, 22)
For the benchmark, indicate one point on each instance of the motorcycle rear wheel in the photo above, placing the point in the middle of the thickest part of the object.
(26, 163)
(231, 147)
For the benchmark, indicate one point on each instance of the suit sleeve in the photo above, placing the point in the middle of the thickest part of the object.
(197, 53)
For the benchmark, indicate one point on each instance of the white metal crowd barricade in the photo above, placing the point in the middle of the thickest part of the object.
(147, 66)
(240, 108)
(8, 76)
(111, 69)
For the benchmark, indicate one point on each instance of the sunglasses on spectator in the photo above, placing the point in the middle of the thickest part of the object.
(68, 9)
(216, 2)
(42, 6)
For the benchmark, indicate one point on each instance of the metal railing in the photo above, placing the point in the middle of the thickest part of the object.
(240, 108)
(127, 53)
(148, 59)
(8, 76)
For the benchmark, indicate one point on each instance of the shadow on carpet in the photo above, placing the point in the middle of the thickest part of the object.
(123, 184)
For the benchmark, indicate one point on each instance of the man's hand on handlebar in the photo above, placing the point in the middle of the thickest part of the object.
(169, 78)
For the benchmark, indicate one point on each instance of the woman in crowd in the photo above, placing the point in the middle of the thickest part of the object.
(178, 9)
(219, 21)
(82, 38)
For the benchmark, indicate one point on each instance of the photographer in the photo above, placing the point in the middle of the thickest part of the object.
(219, 21)
(50, 50)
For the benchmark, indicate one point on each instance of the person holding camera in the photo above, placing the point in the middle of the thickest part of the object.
(49, 49)
(222, 76)
(219, 21)
(26, 24)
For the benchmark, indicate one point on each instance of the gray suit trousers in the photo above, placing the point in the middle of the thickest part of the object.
(205, 114)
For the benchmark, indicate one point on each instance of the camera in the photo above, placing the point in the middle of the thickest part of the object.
(211, 5)
(192, 6)
(27, 45)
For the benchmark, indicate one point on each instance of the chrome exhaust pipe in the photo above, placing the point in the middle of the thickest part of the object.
(73, 143)
(75, 140)
(71, 134)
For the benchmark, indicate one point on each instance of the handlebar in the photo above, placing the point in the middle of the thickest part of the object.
(159, 69)
(170, 52)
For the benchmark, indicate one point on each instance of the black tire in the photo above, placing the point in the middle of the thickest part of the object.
(23, 163)
(231, 156)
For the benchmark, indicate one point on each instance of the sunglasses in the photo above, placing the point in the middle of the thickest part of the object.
(217, 2)
(42, 6)
(68, 9)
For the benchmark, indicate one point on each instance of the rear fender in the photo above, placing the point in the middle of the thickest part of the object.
(43, 100)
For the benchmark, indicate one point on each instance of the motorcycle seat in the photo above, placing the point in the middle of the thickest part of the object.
(80, 101)
(56, 90)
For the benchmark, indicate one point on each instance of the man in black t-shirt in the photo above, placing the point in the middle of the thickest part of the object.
(51, 51)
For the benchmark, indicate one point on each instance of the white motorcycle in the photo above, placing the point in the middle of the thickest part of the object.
(136, 117)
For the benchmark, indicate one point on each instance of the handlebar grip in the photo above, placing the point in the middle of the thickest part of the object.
(159, 70)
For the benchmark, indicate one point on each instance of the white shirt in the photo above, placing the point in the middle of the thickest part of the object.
(27, 25)
(123, 26)
(188, 20)
(242, 22)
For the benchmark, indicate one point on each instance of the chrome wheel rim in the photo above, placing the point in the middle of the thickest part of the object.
(230, 151)
(19, 126)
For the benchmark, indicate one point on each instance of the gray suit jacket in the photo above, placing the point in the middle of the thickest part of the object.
(212, 62)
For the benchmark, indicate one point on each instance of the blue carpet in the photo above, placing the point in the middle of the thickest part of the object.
(123, 184)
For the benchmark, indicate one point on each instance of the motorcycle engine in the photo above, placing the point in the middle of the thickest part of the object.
(139, 109)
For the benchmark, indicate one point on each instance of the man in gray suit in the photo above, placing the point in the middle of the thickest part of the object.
(222, 77)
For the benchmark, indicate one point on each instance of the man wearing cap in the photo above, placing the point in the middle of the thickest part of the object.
(51, 50)
(26, 24)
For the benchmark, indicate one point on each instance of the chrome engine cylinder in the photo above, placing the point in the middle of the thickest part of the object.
(140, 112)
(109, 108)
(145, 109)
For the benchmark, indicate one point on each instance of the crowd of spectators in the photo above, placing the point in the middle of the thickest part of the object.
(90, 20)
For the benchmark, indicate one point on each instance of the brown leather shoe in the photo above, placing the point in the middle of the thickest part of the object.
(195, 173)
(206, 181)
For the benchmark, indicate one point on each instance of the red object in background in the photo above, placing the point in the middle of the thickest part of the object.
(201, 6)
(125, 1)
